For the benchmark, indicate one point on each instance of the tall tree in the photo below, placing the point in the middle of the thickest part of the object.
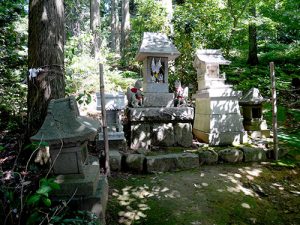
(113, 24)
(45, 51)
(125, 26)
(252, 54)
(95, 25)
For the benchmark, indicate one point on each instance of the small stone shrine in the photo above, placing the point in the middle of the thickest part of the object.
(67, 134)
(217, 116)
(157, 122)
(114, 105)
(253, 122)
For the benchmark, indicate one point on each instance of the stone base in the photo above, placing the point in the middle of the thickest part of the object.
(152, 99)
(94, 203)
(115, 160)
(75, 183)
(215, 139)
(160, 127)
(146, 135)
(172, 162)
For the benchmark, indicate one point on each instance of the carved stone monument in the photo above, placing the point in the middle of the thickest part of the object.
(253, 121)
(157, 122)
(217, 116)
(67, 134)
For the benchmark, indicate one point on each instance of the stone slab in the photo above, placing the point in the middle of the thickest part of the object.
(161, 114)
(96, 203)
(183, 135)
(135, 162)
(208, 157)
(225, 91)
(172, 162)
(253, 154)
(231, 155)
(115, 160)
(219, 123)
(163, 135)
(156, 99)
(140, 136)
(216, 139)
(70, 184)
(161, 88)
(216, 106)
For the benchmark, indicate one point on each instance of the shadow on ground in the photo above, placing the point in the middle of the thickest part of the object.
(222, 194)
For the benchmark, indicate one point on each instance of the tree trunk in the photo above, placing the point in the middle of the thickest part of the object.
(169, 8)
(118, 28)
(113, 26)
(95, 25)
(45, 51)
(252, 55)
(125, 27)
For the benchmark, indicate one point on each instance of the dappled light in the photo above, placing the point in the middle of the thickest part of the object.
(134, 201)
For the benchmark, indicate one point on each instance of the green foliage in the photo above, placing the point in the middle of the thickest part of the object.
(13, 58)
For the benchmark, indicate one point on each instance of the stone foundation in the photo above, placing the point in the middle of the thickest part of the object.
(160, 127)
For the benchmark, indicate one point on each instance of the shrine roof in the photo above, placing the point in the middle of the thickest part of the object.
(157, 44)
(252, 97)
(211, 56)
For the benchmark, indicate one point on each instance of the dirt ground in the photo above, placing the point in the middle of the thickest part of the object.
(257, 193)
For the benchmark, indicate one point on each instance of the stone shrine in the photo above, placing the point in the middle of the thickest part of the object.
(157, 122)
(253, 121)
(114, 105)
(67, 134)
(217, 116)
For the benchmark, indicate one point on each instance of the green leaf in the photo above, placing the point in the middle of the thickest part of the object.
(47, 202)
(54, 185)
(34, 199)
(1, 148)
(44, 190)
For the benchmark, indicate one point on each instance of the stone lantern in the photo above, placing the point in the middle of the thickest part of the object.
(253, 121)
(67, 134)
(217, 116)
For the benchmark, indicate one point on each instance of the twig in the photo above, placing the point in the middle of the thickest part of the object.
(52, 164)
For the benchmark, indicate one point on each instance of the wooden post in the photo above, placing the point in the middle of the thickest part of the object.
(104, 123)
(274, 111)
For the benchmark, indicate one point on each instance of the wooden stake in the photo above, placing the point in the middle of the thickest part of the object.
(274, 111)
(104, 123)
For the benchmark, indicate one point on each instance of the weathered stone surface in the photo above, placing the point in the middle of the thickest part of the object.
(253, 154)
(163, 134)
(140, 136)
(153, 99)
(208, 157)
(231, 155)
(70, 184)
(115, 159)
(215, 139)
(183, 134)
(172, 162)
(135, 162)
(161, 114)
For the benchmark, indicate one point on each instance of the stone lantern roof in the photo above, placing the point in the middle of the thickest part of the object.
(158, 45)
(63, 123)
(252, 97)
(211, 56)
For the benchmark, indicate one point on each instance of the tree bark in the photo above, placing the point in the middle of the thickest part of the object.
(95, 25)
(113, 24)
(125, 27)
(252, 54)
(45, 51)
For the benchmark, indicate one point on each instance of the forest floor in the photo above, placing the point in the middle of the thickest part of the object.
(253, 193)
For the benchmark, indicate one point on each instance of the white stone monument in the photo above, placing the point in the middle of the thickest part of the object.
(217, 116)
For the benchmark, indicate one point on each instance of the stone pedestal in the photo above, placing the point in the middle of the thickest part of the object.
(160, 127)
